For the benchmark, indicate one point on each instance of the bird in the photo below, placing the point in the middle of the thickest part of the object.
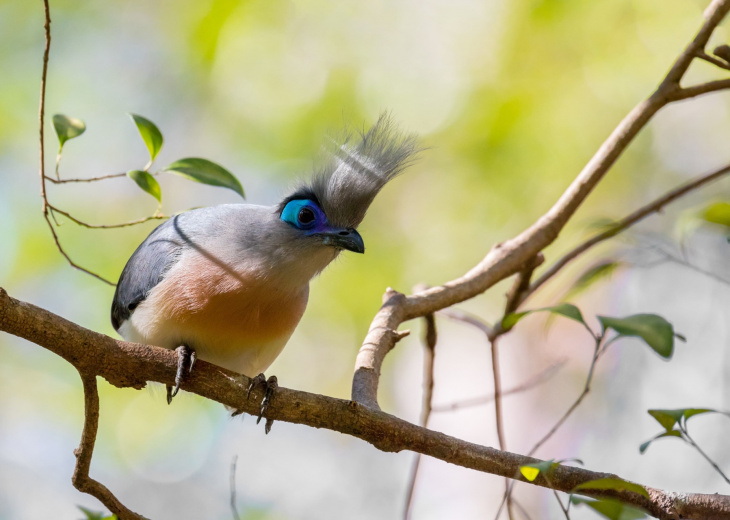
(229, 283)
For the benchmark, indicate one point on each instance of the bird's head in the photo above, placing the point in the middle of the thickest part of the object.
(327, 210)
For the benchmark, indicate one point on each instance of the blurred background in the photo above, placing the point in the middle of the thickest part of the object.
(510, 97)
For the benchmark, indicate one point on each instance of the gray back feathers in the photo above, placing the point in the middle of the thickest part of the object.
(357, 169)
(145, 269)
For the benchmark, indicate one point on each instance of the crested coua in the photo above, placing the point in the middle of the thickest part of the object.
(230, 283)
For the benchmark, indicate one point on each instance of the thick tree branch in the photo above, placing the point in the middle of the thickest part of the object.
(132, 365)
(509, 257)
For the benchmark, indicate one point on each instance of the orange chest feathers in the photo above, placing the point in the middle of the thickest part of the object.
(208, 300)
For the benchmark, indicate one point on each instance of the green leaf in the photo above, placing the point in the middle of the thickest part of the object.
(67, 128)
(91, 515)
(667, 418)
(717, 213)
(601, 224)
(611, 508)
(670, 433)
(691, 412)
(593, 275)
(207, 172)
(511, 320)
(657, 332)
(151, 135)
(531, 471)
(612, 483)
(564, 309)
(147, 182)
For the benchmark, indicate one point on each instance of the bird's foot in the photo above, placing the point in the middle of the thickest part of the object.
(186, 357)
(271, 385)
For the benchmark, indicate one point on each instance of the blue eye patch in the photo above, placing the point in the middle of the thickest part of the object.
(304, 214)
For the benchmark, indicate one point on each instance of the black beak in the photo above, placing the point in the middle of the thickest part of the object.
(344, 238)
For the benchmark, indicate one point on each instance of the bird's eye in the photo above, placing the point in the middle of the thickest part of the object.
(306, 216)
(303, 214)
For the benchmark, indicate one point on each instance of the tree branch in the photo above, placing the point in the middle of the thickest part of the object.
(81, 479)
(132, 365)
(623, 224)
(509, 257)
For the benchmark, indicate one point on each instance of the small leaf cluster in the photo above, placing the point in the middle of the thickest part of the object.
(192, 168)
(674, 423)
(654, 330)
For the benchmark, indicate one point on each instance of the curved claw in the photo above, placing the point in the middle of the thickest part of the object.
(186, 357)
(271, 385)
(258, 380)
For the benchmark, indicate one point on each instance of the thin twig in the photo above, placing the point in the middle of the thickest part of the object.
(562, 507)
(521, 286)
(586, 390)
(465, 317)
(668, 257)
(106, 226)
(42, 103)
(234, 507)
(691, 441)
(653, 207)
(576, 403)
(539, 378)
(41, 127)
(521, 509)
(68, 258)
(90, 179)
(429, 354)
(497, 378)
(81, 479)
(715, 61)
(699, 90)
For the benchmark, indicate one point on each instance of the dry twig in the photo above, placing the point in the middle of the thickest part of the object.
(429, 354)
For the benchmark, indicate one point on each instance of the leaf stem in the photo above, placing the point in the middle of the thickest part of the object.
(691, 441)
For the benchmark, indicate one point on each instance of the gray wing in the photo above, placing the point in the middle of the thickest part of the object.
(145, 269)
